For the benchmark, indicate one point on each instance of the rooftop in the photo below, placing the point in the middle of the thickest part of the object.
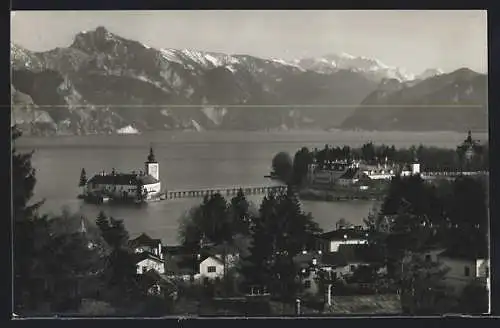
(146, 255)
(144, 240)
(343, 234)
(123, 179)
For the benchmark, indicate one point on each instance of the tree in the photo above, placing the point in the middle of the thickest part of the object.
(468, 213)
(120, 272)
(282, 166)
(281, 231)
(83, 178)
(23, 180)
(239, 210)
(256, 268)
(302, 159)
(411, 216)
(30, 233)
(368, 152)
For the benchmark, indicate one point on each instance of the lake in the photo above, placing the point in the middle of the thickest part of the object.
(194, 160)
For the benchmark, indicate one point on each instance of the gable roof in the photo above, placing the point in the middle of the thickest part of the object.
(123, 179)
(208, 256)
(144, 240)
(343, 234)
(146, 255)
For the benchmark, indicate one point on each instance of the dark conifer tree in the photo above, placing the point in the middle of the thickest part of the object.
(83, 178)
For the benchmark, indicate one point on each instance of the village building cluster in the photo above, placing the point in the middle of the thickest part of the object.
(338, 255)
(356, 173)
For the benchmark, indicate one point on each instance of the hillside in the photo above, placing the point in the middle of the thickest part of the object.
(103, 82)
(456, 101)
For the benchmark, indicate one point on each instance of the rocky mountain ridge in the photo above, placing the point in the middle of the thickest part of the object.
(102, 83)
(457, 101)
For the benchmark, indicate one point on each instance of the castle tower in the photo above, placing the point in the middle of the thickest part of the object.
(415, 166)
(152, 166)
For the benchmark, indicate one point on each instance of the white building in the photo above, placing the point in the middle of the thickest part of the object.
(331, 241)
(149, 254)
(146, 261)
(211, 267)
(125, 185)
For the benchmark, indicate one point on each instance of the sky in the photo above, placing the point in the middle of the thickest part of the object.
(413, 40)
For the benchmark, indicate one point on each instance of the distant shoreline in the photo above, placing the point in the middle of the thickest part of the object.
(254, 132)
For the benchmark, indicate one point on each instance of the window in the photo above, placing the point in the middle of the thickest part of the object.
(144, 269)
(307, 284)
(211, 269)
(352, 267)
(467, 271)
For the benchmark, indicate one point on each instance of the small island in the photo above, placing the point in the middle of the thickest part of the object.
(125, 188)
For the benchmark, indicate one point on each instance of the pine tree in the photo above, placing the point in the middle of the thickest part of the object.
(240, 214)
(30, 233)
(257, 266)
(83, 178)
(24, 180)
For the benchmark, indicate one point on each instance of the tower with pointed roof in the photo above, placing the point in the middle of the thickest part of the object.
(152, 166)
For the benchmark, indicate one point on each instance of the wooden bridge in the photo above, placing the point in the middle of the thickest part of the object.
(224, 191)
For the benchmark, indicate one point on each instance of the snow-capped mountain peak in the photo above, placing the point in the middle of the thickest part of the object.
(428, 73)
(372, 67)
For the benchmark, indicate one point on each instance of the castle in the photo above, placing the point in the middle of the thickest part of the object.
(134, 186)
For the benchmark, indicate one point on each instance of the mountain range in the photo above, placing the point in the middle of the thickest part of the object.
(104, 83)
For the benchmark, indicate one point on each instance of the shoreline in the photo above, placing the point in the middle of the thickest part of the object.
(312, 194)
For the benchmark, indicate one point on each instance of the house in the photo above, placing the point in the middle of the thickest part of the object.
(413, 169)
(125, 185)
(328, 173)
(144, 243)
(313, 269)
(350, 177)
(330, 241)
(379, 172)
(188, 264)
(464, 266)
(148, 253)
(211, 267)
(146, 261)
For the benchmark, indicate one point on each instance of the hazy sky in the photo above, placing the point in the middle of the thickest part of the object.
(414, 40)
